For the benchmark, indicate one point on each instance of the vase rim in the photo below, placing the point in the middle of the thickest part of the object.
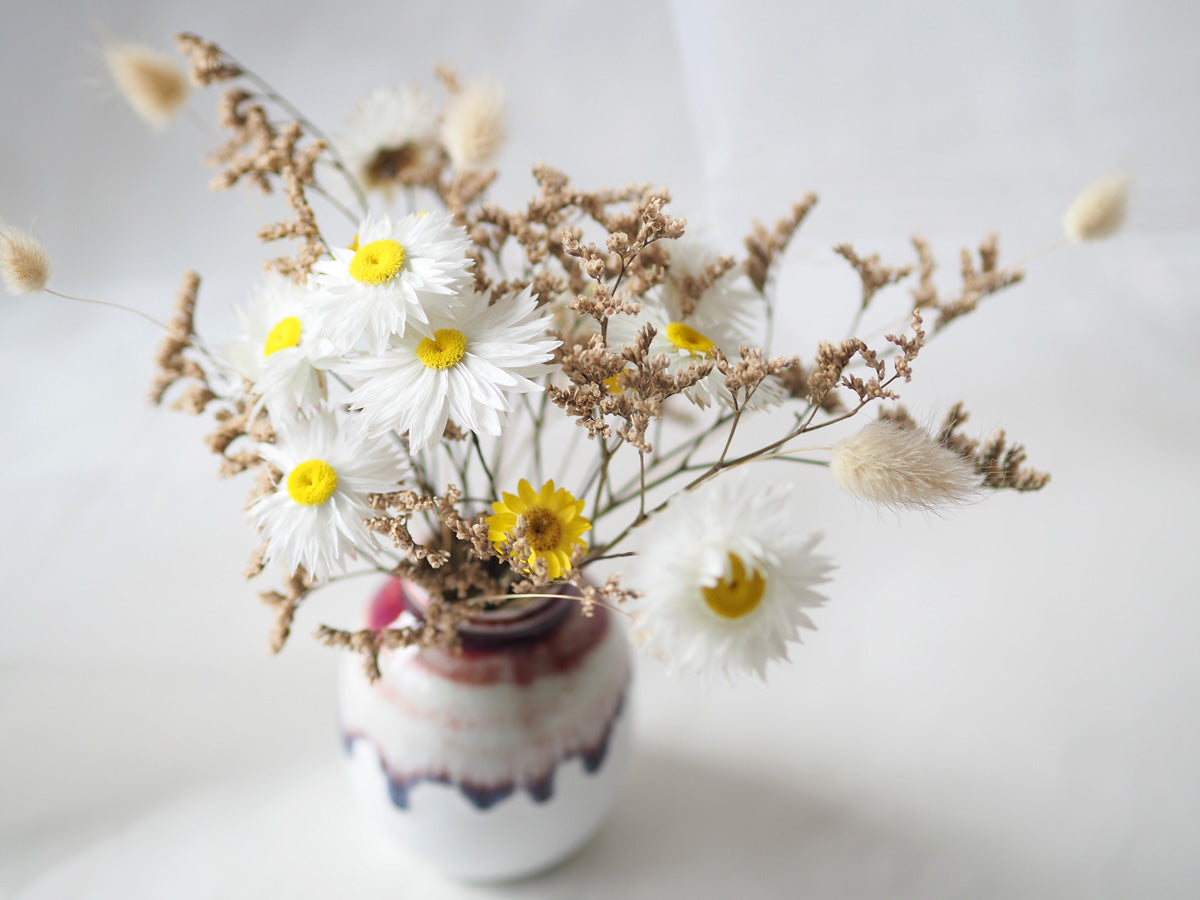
(492, 628)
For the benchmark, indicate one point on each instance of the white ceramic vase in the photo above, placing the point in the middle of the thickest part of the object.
(503, 760)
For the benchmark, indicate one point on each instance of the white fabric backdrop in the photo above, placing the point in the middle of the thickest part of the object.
(999, 702)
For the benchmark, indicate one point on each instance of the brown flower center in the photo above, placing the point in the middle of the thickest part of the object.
(393, 164)
(543, 531)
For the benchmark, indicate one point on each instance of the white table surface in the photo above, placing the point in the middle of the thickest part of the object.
(1000, 701)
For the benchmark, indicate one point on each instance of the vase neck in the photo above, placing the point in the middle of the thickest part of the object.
(495, 629)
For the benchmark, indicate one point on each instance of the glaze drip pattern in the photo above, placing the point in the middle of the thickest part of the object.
(484, 797)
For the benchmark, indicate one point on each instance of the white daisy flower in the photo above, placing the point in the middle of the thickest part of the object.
(469, 369)
(724, 577)
(280, 349)
(684, 345)
(389, 138)
(315, 516)
(391, 272)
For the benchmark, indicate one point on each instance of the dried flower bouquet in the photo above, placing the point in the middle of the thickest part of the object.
(401, 381)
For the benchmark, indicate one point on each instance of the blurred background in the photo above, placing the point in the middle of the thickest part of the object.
(1000, 701)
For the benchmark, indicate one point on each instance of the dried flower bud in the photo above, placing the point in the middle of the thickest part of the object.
(473, 127)
(152, 82)
(1098, 210)
(901, 466)
(24, 263)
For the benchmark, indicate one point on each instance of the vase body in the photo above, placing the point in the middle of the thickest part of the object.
(499, 761)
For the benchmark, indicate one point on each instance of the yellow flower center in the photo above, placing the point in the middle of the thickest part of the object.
(688, 339)
(312, 482)
(377, 262)
(544, 531)
(285, 334)
(613, 384)
(444, 350)
(737, 594)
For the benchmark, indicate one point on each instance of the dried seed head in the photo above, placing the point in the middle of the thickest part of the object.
(1098, 210)
(152, 82)
(473, 126)
(24, 263)
(901, 466)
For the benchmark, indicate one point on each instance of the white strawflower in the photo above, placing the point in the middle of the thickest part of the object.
(1099, 209)
(24, 262)
(477, 359)
(152, 82)
(724, 575)
(685, 345)
(315, 516)
(281, 349)
(388, 138)
(392, 273)
(473, 126)
(901, 466)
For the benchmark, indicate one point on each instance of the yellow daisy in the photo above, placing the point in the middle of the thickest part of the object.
(553, 523)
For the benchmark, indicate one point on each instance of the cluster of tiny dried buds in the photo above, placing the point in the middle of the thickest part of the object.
(263, 152)
(170, 363)
(977, 283)
(438, 627)
(764, 247)
(1001, 465)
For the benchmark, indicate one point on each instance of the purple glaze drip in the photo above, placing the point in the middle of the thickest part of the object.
(484, 797)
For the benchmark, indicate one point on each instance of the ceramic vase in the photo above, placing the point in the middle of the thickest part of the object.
(499, 761)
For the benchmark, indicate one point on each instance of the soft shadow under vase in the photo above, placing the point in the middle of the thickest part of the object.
(503, 760)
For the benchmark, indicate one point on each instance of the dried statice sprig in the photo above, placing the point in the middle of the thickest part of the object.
(170, 361)
(834, 359)
(244, 418)
(977, 283)
(796, 381)
(873, 274)
(645, 383)
(284, 604)
(765, 247)
(207, 63)
(260, 151)
(745, 377)
(438, 627)
(1000, 464)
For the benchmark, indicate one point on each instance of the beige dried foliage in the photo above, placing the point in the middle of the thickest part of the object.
(1098, 211)
(24, 262)
(285, 603)
(474, 126)
(151, 82)
(874, 275)
(170, 362)
(895, 466)
(1001, 465)
(978, 282)
(207, 63)
(764, 247)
